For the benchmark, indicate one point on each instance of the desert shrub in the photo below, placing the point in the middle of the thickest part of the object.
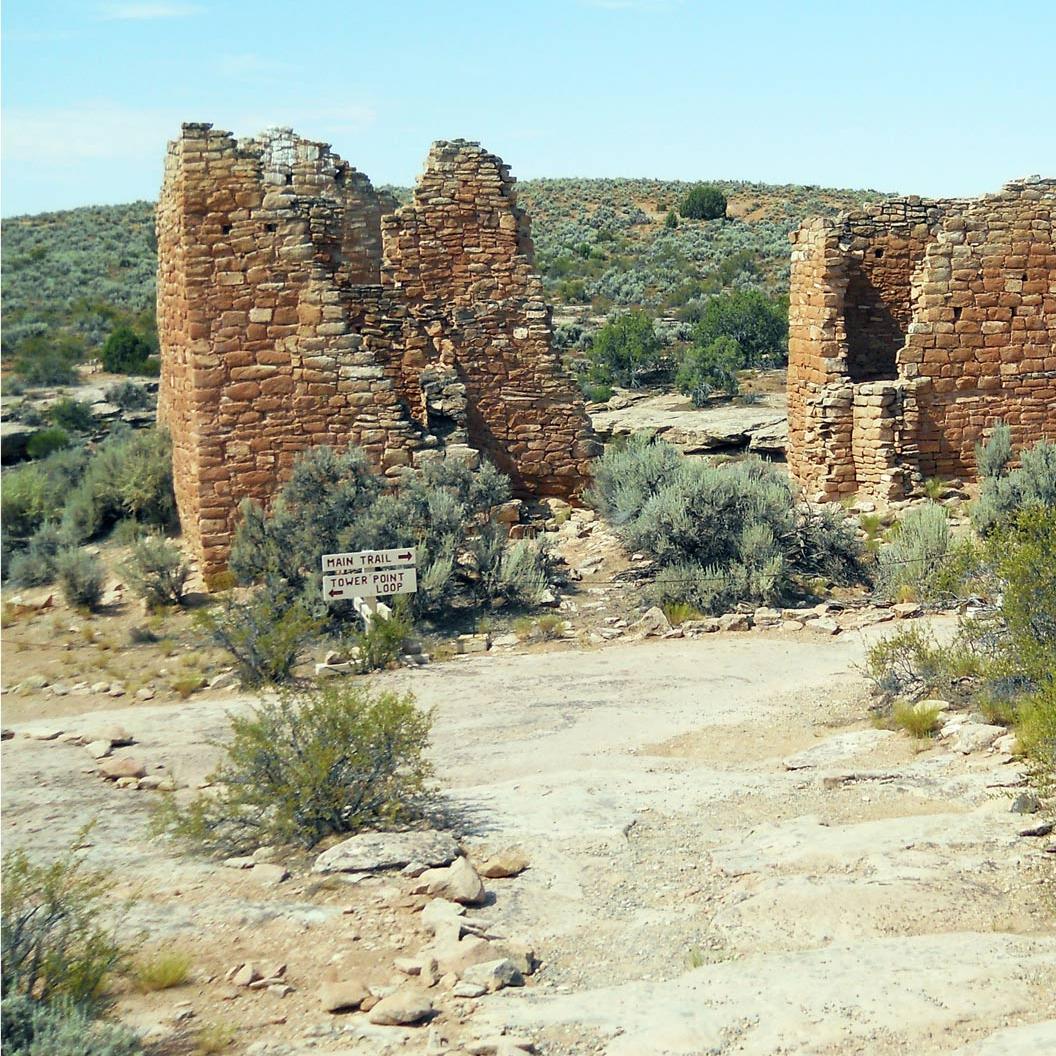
(908, 663)
(918, 720)
(720, 534)
(161, 970)
(1036, 733)
(626, 351)
(628, 475)
(992, 457)
(678, 612)
(1033, 484)
(380, 643)
(266, 634)
(156, 571)
(43, 443)
(57, 943)
(710, 368)
(49, 360)
(35, 494)
(758, 324)
(597, 392)
(37, 564)
(308, 765)
(335, 503)
(703, 202)
(31, 1028)
(129, 396)
(129, 476)
(82, 577)
(75, 416)
(125, 352)
(910, 561)
(671, 220)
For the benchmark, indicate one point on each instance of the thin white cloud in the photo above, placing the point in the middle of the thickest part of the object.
(88, 130)
(149, 12)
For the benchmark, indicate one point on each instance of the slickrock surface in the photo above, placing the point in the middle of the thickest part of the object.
(725, 856)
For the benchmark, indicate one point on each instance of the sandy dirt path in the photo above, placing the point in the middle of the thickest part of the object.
(726, 857)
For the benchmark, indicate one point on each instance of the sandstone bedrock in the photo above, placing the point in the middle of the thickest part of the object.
(298, 306)
(914, 327)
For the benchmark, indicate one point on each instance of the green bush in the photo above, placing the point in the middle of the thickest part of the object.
(756, 323)
(380, 643)
(57, 944)
(61, 1029)
(156, 571)
(82, 577)
(909, 563)
(1032, 485)
(703, 202)
(992, 458)
(37, 564)
(707, 369)
(46, 441)
(130, 476)
(597, 393)
(50, 360)
(626, 352)
(671, 220)
(308, 765)
(720, 534)
(72, 415)
(266, 634)
(125, 352)
(129, 396)
(335, 503)
(35, 494)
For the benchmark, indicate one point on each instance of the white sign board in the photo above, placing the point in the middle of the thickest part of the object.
(368, 559)
(369, 584)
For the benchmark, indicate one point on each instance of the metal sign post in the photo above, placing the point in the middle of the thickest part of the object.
(363, 575)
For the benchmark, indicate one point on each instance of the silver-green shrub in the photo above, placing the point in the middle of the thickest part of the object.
(911, 560)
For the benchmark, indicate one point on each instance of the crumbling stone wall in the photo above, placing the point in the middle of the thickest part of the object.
(914, 327)
(297, 306)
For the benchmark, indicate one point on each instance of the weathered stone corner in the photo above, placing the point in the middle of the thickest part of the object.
(298, 306)
(914, 327)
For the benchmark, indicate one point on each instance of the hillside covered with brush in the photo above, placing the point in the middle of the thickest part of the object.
(609, 244)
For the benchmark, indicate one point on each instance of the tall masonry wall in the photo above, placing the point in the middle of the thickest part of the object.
(914, 327)
(298, 306)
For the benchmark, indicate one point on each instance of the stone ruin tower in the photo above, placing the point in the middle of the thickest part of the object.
(914, 327)
(299, 306)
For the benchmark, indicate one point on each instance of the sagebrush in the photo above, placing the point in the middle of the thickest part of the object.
(310, 764)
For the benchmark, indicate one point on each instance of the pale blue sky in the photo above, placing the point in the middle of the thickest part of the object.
(932, 96)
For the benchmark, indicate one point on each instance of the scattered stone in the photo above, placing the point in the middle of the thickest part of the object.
(694, 627)
(974, 737)
(403, 1008)
(344, 996)
(408, 965)
(652, 625)
(223, 680)
(117, 767)
(52, 734)
(1041, 829)
(100, 687)
(907, 610)
(464, 989)
(824, 625)
(98, 749)
(369, 852)
(267, 853)
(440, 912)
(116, 690)
(472, 643)
(146, 693)
(244, 974)
(734, 621)
(504, 641)
(494, 975)
(151, 784)
(508, 862)
(272, 875)
(1026, 803)
(6, 734)
(459, 882)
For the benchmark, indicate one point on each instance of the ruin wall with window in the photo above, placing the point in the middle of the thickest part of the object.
(299, 306)
(914, 327)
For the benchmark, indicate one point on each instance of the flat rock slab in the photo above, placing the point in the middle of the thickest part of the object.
(371, 851)
(838, 748)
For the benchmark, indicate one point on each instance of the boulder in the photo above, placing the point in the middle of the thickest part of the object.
(372, 851)
(117, 767)
(494, 975)
(458, 882)
(343, 996)
(508, 862)
(403, 1008)
(652, 625)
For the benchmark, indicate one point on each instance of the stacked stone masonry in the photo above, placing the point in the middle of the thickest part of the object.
(298, 306)
(914, 327)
